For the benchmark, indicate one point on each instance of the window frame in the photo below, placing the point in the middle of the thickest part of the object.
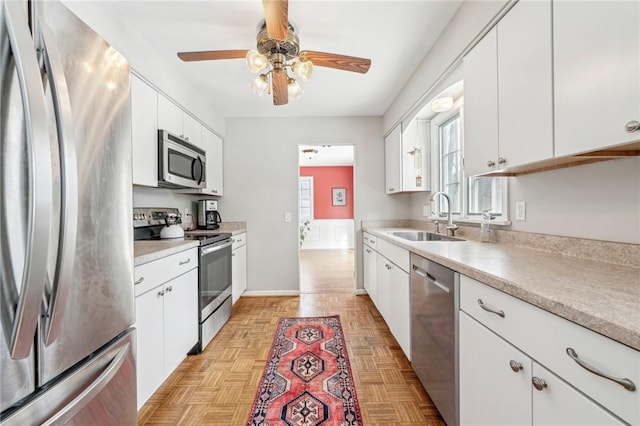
(464, 215)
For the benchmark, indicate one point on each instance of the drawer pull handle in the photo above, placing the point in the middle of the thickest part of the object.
(538, 383)
(184, 262)
(515, 366)
(140, 280)
(483, 306)
(625, 383)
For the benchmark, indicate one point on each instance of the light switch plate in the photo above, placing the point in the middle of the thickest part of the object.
(520, 210)
(287, 217)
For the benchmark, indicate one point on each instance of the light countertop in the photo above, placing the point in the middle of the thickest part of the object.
(600, 296)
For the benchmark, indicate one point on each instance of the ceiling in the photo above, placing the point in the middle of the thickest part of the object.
(395, 35)
(326, 155)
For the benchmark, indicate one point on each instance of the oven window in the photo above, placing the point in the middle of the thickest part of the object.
(180, 164)
(215, 276)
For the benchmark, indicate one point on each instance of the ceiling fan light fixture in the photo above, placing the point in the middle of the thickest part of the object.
(256, 61)
(303, 69)
(294, 89)
(260, 85)
(442, 103)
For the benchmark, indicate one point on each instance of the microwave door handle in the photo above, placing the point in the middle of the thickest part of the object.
(20, 318)
(201, 170)
(69, 176)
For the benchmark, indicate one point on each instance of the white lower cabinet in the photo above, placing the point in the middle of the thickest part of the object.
(389, 286)
(238, 266)
(498, 333)
(166, 318)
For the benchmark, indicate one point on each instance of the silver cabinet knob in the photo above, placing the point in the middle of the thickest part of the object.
(515, 366)
(161, 293)
(538, 383)
(169, 289)
(632, 126)
(491, 163)
(502, 160)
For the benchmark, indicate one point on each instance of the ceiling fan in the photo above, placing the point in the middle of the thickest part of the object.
(278, 48)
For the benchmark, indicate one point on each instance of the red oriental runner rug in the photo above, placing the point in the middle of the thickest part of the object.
(307, 380)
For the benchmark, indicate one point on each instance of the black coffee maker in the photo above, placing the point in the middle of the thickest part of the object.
(208, 216)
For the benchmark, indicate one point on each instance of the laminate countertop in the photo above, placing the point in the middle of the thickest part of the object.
(146, 251)
(600, 296)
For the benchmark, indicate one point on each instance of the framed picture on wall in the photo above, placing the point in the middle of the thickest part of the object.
(339, 196)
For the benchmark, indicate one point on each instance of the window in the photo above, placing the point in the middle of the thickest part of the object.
(306, 197)
(469, 197)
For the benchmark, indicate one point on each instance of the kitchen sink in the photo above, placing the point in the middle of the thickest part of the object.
(424, 236)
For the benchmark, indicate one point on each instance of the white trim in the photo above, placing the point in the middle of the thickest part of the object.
(361, 292)
(259, 293)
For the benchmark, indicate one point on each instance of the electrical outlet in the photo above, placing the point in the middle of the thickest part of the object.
(187, 212)
(520, 210)
(287, 217)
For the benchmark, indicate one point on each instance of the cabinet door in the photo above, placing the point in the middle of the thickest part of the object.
(560, 404)
(384, 291)
(481, 106)
(169, 116)
(144, 132)
(370, 262)
(393, 161)
(491, 392)
(415, 146)
(149, 323)
(238, 272)
(212, 144)
(596, 63)
(400, 308)
(191, 129)
(525, 91)
(180, 319)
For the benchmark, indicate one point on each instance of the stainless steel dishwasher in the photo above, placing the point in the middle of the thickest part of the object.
(434, 333)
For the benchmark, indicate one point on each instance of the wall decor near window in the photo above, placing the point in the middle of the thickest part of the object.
(339, 196)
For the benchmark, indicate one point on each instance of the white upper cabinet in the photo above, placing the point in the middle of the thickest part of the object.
(481, 106)
(144, 133)
(212, 144)
(508, 89)
(597, 74)
(177, 121)
(392, 160)
(525, 89)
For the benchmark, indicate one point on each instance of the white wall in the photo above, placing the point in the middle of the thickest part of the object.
(102, 17)
(261, 184)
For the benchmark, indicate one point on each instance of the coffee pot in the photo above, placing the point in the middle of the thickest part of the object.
(208, 216)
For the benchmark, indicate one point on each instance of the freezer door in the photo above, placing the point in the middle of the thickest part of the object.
(101, 392)
(87, 81)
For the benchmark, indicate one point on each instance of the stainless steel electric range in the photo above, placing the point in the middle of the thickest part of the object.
(214, 273)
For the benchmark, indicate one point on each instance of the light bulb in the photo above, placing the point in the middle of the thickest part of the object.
(259, 85)
(303, 69)
(294, 89)
(442, 103)
(256, 61)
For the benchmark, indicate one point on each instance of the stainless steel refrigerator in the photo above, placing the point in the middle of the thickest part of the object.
(67, 345)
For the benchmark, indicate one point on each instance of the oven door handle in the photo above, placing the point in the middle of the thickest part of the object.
(206, 251)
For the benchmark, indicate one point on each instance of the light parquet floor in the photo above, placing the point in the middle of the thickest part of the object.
(218, 386)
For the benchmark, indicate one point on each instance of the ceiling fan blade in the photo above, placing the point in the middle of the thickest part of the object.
(276, 16)
(340, 62)
(208, 55)
(279, 85)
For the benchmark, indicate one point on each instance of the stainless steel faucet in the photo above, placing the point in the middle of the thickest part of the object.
(451, 227)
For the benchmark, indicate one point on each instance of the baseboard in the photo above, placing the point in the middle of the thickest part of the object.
(254, 293)
(361, 292)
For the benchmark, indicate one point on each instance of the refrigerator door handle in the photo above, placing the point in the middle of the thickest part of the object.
(87, 395)
(69, 177)
(20, 317)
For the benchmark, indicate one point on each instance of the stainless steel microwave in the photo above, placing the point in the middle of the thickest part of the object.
(180, 164)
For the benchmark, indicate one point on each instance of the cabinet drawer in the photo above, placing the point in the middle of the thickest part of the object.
(238, 240)
(546, 338)
(396, 254)
(370, 240)
(159, 271)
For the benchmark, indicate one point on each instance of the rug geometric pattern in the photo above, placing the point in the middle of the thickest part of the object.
(307, 380)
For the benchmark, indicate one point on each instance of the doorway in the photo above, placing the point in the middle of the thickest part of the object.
(326, 219)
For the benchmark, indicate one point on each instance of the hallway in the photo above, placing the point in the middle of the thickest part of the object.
(327, 271)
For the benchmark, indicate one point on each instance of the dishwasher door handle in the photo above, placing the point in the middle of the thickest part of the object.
(430, 278)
